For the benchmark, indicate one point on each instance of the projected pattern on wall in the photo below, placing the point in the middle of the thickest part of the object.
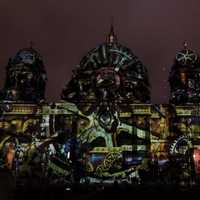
(104, 127)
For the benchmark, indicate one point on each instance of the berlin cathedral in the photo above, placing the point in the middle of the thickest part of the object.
(104, 126)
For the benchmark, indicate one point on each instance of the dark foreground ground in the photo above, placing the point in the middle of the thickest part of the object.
(44, 190)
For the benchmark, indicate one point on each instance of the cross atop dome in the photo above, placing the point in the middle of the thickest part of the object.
(112, 37)
(185, 45)
(31, 44)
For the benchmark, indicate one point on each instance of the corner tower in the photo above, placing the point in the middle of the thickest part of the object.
(184, 77)
(25, 77)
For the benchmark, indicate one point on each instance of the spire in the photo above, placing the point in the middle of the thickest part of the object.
(111, 38)
(31, 44)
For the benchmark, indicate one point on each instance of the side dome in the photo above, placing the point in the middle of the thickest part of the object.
(109, 72)
(25, 77)
(184, 77)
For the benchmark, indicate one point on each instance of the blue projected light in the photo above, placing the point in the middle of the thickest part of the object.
(97, 157)
(133, 160)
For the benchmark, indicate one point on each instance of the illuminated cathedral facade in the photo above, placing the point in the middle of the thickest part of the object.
(105, 122)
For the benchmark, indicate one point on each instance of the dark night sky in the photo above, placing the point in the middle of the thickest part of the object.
(65, 30)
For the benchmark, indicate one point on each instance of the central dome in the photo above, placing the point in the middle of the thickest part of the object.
(109, 72)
